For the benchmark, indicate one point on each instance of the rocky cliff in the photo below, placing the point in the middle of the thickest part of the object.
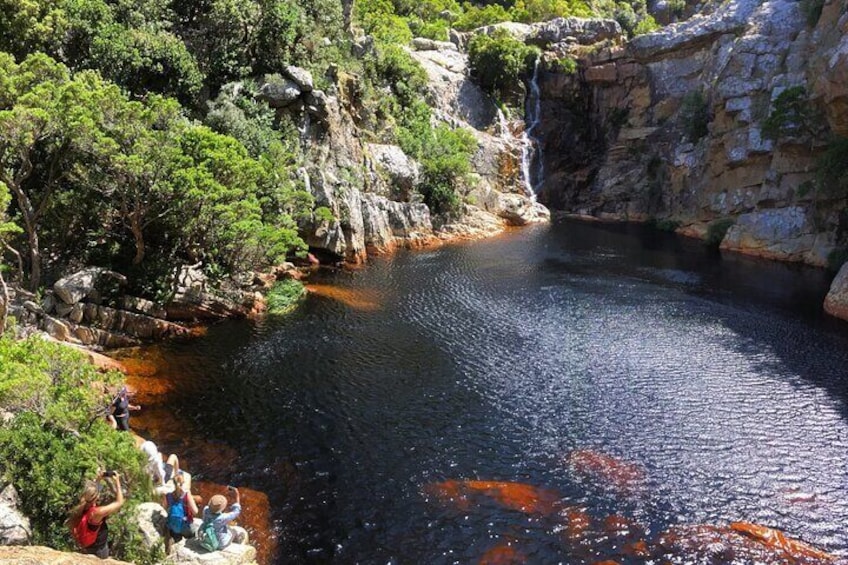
(370, 188)
(669, 125)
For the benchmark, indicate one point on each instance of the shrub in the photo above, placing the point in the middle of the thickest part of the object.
(646, 25)
(322, 214)
(497, 61)
(479, 16)
(717, 230)
(694, 113)
(566, 65)
(59, 438)
(284, 296)
(832, 169)
(445, 161)
(791, 113)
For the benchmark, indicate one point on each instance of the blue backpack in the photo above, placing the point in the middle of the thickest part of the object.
(177, 515)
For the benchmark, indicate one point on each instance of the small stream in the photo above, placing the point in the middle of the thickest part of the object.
(714, 378)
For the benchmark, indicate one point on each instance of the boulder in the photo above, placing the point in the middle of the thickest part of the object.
(56, 329)
(584, 31)
(151, 519)
(316, 104)
(402, 171)
(279, 92)
(190, 552)
(75, 287)
(425, 44)
(38, 555)
(836, 301)
(517, 30)
(14, 526)
(520, 210)
(388, 224)
(143, 306)
(781, 233)
(301, 77)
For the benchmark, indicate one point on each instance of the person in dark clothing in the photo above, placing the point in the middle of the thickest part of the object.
(87, 520)
(121, 410)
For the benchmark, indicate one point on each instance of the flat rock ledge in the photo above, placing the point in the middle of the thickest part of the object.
(39, 555)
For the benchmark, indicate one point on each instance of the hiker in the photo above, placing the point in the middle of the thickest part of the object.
(215, 523)
(160, 472)
(87, 520)
(182, 509)
(120, 417)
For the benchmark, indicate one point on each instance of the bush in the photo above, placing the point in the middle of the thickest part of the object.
(566, 65)
(479, 16)
(284, 296)
(59, 439)
(646, 25)
(791, 114)
(717, 230)
(694, 112)
(832, 169)
(445, 161)
(498, 61)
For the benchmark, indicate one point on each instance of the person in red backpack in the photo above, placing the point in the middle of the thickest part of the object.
(87, 520)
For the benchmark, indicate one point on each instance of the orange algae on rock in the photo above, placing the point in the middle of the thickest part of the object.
(516, 496)
(775, 539)
(619, 475)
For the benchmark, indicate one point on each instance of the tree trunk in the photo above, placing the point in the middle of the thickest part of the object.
(4, 304)
(29, 216)
(138, 234)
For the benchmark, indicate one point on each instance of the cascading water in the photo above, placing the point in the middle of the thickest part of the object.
(530, 149)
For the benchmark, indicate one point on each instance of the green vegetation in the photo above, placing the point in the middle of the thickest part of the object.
(717, 230)
(87, 164)
(791, 114)
(497, 61)
(566, 65)
(812, 10)
(284, 296)
(832, 169)
(694, 113)
(59, 438)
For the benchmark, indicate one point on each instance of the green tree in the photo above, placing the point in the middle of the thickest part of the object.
(497, 61)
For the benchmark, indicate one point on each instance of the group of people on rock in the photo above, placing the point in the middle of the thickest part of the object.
(104, 497)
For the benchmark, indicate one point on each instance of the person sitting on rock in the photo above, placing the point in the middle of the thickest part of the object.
(120, 417)
(182, 509)
(214, 513)
(87, 520)
(160, 472)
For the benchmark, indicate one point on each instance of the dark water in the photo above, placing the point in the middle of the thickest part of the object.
(715, 375)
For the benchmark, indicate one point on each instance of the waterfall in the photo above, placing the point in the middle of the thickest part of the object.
(530, 151)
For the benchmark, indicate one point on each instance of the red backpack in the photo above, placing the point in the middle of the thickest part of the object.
(84, 535)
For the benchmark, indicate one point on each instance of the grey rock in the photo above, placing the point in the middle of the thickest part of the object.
(278, 92)
(75, 287)
(584, 31)
(425, 44)
(517, 30)
(403, 171)
(836, 301)
(33, 307)
(56, 329)
(15, 528)
(301, 77)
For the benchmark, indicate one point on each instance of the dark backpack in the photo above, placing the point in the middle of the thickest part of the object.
(208, 537)
(178, 513)
(83, 535)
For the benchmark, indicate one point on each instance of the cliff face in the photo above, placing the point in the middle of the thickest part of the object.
(370, 188)
(670, 126)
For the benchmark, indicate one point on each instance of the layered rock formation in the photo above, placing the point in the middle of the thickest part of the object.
(370, 189)
(670, 125)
